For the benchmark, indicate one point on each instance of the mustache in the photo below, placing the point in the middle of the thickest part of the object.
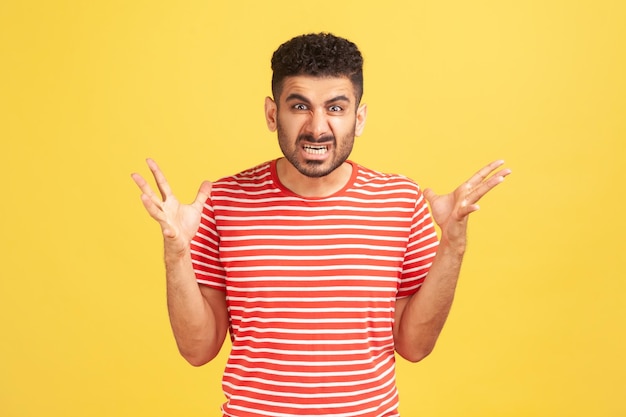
(322, 139)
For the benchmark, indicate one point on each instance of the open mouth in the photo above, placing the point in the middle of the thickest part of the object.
(316, 149)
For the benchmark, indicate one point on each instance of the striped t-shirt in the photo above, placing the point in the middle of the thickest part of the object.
(311, 285)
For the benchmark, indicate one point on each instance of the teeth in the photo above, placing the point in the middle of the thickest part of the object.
(315, 149)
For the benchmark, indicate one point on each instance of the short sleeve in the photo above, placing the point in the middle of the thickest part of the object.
(205, 251)
(421, 249)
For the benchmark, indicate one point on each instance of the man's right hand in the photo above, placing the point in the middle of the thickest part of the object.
(179, 222)
(198, 313)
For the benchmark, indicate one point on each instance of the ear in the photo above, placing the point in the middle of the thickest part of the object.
(271, 113)
(361, 115)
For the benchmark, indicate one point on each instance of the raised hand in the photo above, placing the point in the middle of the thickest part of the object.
(179, 222)
(450, 211)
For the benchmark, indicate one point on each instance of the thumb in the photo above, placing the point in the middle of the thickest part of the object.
(430, 195)
(203, 193)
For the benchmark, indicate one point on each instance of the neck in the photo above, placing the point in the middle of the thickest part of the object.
(310, 187)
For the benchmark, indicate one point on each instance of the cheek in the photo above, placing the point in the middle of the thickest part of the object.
(286, 137)
(288, 126)
(344, 129)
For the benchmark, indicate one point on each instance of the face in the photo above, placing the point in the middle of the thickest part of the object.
(316, 120)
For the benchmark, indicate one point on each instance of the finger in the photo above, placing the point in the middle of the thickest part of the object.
(147, 190)
(484, 172)
(203, 194)
(162, 184)
(465, 210)
(140, 181)
(430, 195)
(154, 209)
(487, 185)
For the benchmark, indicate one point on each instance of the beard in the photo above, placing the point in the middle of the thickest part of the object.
(313, 168)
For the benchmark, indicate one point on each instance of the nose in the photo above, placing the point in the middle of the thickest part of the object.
(317, 125)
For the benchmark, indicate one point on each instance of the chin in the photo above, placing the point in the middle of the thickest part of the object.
(319, 169)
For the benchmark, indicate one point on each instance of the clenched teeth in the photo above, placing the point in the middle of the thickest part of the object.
(315, 149)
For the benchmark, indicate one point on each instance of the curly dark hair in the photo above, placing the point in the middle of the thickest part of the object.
(318, 55)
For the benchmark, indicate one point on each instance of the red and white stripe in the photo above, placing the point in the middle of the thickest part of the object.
(311, 286)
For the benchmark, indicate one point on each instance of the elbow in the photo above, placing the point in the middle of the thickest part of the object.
(197, 358)
(415, 354)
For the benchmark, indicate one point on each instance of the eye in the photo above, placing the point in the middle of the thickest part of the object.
(335, 108)
(300, 106)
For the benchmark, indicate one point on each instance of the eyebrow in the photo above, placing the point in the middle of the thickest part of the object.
(300, 97)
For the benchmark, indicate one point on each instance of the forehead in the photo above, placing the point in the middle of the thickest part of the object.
(317, 89)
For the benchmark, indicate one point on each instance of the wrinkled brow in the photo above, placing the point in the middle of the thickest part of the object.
(300, 97)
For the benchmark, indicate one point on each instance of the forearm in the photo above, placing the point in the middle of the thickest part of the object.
(425, 312)
(420, 318)
(199, 327)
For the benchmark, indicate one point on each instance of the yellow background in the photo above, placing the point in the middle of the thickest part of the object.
(88, 90)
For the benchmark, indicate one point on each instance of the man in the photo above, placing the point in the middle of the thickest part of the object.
(320, 268)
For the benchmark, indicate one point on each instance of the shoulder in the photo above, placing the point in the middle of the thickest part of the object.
(253, 185)
(252, 177)
(376, 180)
